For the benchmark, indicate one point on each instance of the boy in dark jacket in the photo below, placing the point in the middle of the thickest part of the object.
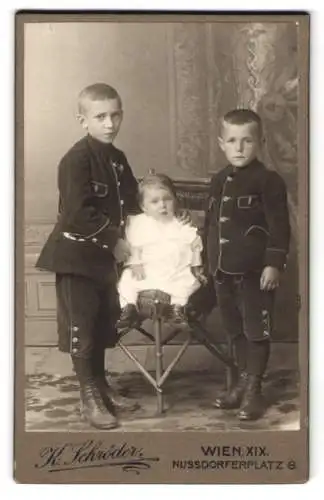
(97, 190)
(247, 240)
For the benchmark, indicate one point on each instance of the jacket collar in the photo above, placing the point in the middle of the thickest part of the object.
(253, 165)
(100, 146)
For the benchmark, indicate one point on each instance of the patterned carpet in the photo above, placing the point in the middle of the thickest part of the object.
(52, 404)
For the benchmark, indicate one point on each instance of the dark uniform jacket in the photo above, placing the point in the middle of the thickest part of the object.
(97, 190)
(247, 220)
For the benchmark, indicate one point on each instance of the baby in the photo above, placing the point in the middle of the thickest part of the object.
(165, 252)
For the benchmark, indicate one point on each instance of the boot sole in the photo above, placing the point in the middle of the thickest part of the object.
(226, 407)
(113, 425)
(250, 418)
(126, 409)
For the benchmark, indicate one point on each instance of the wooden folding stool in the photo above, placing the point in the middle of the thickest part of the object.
(155, 305)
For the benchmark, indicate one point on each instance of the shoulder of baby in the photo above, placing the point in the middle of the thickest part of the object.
(136, 220)
(139, 228)
(133, 224)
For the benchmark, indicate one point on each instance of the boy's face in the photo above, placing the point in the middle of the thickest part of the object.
(102, 119)
(240, 143)
(158, 203)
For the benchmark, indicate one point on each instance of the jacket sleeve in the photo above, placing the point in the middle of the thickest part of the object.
(130, 188)
(82, 220)
(277, 217)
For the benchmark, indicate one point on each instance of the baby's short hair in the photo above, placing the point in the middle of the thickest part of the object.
(97, 92)
(241, 117)
(155, 180)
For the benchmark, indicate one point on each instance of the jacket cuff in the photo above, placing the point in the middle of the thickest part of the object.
(275, 257)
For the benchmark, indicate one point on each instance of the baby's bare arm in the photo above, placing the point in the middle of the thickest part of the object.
(136, 265)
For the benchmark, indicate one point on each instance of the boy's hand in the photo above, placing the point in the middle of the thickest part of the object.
(121, 251)
(269, 278)
(184, 216)
(198, 272)
(138, 271)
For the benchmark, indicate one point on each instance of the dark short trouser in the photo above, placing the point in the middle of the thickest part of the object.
(244, 308)
(87, 312)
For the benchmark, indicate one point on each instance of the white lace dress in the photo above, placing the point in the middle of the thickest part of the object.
(167, 250)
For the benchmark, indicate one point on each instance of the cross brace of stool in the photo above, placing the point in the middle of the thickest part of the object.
(196, 331)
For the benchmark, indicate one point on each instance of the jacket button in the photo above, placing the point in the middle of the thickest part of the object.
(229, 178)
(224, 219)
(226, 198)
(122, 202)
(104, 246)
(75, 340)
(94, 240)
(122, 222)
(75, 329)
(74, 350)
(223, 240)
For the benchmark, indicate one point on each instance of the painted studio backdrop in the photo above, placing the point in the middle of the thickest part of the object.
(175, 80)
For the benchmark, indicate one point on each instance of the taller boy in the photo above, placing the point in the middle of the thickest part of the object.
(247, 235)
(97, 190)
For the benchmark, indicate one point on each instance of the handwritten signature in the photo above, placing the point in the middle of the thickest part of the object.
(90, 454)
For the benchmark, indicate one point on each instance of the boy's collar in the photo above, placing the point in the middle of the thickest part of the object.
(98, 144)
(253, 163)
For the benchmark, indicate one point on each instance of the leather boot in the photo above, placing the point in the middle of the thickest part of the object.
(93, 410)
(234, 397)
(178, 315)
(252, 406)
(128, 317)
(110, 396)
(92, 406)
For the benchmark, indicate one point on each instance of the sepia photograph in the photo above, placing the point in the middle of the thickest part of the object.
(162, 171)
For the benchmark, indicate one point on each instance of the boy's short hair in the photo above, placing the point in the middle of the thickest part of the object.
(97, 92)
(241, 117)
(155, 180)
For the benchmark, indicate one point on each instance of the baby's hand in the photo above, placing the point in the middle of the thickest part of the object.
(269, 278)
(121, 251)
(184, 216)
(198, 272)
(138, 271)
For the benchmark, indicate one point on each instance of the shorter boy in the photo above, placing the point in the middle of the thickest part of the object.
(247, 236)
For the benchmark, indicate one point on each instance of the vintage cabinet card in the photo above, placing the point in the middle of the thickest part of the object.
(192, 389)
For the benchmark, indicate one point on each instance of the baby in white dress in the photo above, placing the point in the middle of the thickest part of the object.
(165, 253)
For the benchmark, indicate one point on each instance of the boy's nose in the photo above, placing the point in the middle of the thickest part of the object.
(239, 146)
(108, 122)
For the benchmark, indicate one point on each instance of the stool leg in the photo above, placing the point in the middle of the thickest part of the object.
(158, 359)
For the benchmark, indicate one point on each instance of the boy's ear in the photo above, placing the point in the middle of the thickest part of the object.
(221, 143)
(81, 119)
